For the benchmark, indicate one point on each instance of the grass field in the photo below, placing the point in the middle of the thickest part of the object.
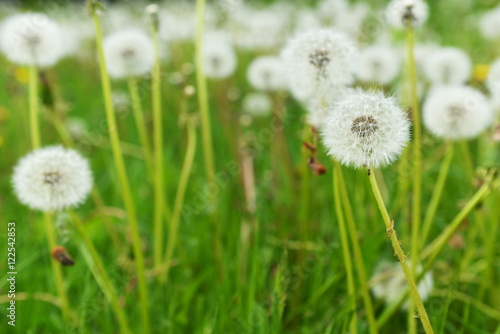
(259, 247)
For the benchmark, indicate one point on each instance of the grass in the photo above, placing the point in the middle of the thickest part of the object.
(266, 277)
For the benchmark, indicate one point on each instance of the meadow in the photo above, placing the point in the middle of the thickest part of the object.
(250, 167)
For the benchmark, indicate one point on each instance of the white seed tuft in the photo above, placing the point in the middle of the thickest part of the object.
(378, 64)
(448, 66)
(400, 13)
(267, 74)
(52, 178)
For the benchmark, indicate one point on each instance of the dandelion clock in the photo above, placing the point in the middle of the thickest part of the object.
(52, 178)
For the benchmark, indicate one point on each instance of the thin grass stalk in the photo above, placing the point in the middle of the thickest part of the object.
(141, 124)
(158, 184)
(56, 268)
(101, 275)
(358, 255)
(179, 199)
(122, 176)
(353, 327)
(398, 250)
(437, 192)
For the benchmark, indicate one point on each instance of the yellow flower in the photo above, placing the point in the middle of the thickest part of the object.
(480, 72)
(22, 75)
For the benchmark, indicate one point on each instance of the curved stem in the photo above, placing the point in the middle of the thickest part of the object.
(345, 250)
(101, 274)
(179, 198)
(122, 177)
(436, 194)
(358, 255)
(158, 229)
(56, 268)
(398, 251)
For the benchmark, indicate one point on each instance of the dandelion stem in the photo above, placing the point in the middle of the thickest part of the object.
(122, 176)
(398, 251)
(358, 256)
(158, 229)
(417, 161)
(140, 123)
(469, 165)
(305, 188)
(202, 93)
(101, 274)
(179, 198)
(56, 268)
(33, 107)
(345, 249)
(436, 194)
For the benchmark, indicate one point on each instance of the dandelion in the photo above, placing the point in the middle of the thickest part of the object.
(52, 178)
(257, 104)
(456, 112)
(378, 63)
(489, 24)
(365, 129)
(267, 73)
(31, 39)
(129, 53)
(318, 107)
(388, 282)
(400, 13)
(448, 66)
(317, 60)
(219, 58)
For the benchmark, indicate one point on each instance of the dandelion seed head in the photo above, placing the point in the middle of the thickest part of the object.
(365, 129)
(456, 113)
(379, 64)
(257, 104)
(399, 13)
(52, 178)
(31, 39)
(318, 60)
(489, 24)
(219, 57)
(448, 66)
(267, 74)
(129, 53)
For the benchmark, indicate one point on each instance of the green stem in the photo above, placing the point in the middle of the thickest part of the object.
(436, 194)
(33, 107)
(101, 274)
(305, 188)
(358, 256)
(398, 250)
(140, 123)
(417, 160)
(345, 250)
(179, 198)
(202, 93)
(469, 165)
(122, 176)
(56, 268)
(158, 229)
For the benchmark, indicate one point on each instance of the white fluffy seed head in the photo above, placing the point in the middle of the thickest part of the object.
(399, 13)
(317, 60)
(388, 281)
(379, 64)
(219, 57)
(52, 178)
(267, 74)
(31, 39)
(129, 53)
(365, 129)
(493, 80)
(448, 66)
(489, 24)
(456, 113)
(257, 104)
(318, 107)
